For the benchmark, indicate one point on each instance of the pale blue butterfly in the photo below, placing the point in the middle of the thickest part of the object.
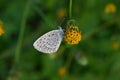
(50, 41)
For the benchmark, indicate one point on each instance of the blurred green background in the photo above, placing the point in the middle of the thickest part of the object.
(96, 57)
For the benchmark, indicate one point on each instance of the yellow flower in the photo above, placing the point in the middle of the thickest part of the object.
(62, 71)
(72, 35)
(1, 28)
(61, 13)
(14, 75)
(115, 45)
(110, 8)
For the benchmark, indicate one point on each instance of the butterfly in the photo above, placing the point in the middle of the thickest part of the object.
(50, 41)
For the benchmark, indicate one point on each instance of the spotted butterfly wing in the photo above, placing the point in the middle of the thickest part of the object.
(49, 42)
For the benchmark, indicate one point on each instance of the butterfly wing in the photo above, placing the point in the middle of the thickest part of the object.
(49, 42)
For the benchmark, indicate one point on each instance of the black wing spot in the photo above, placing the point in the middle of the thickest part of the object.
(53, 34)
(37, 45)
(49, 35)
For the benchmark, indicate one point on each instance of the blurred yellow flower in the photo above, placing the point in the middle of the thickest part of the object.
(62, 71)
(115, 45)
(14, 75)
(110, 8)
(72, 35)
(61, 13)
(1, 28)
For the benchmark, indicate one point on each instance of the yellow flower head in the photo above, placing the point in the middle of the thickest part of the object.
(72, 35)
(1, 28)
(110, 8)
(115, 45)
(62, 71)
(61, 13)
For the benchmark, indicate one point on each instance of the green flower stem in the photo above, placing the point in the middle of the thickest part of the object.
(69, 60)
(21, 34)
(70, 56)
(70, 9)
